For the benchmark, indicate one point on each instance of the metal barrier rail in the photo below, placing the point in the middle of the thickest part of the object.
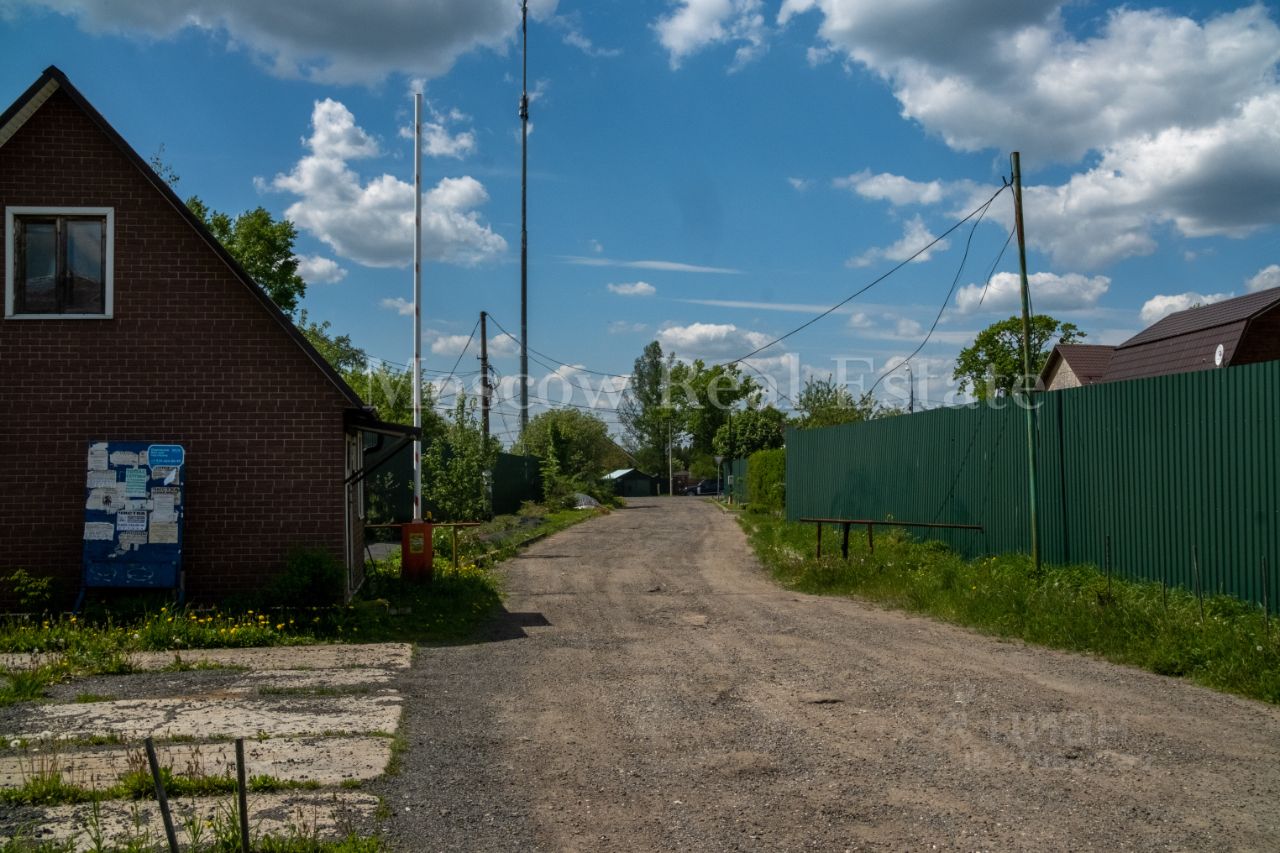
(846, 523)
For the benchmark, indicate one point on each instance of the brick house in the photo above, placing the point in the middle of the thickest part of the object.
(125, 319)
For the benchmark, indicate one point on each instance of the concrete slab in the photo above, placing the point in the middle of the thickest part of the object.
(325, 814)
(323, 760)
(329, 656)
(213, 718)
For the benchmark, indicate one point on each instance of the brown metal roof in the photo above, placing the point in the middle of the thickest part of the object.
(1087, 361)
(1194, 350)
(1223, 313)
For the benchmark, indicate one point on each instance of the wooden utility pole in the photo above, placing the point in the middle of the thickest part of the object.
(1028, 381)
(484, 373)
(524, 218)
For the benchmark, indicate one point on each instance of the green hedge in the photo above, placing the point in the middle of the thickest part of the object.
(767, 479)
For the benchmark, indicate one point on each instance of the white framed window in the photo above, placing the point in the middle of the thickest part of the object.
(59, 263)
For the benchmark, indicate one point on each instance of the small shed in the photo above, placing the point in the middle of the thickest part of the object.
(632, 483)
(1073, 365)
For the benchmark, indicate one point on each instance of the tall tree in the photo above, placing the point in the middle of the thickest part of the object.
(992, 364)
(703, 396)
(824, 402)
(264, 247)
(749, 430)
(646, 411)
(580, 439)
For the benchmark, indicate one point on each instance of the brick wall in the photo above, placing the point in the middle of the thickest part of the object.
(191, 357)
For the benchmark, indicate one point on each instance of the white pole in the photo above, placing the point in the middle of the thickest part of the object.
(417, 304)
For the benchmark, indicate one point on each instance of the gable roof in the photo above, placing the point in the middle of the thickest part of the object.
(1189, 340)
(52, 80)
(1088, 362)
(1207, 317)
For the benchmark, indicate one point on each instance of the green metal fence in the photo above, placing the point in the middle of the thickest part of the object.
(737, 487)
(1147, 473)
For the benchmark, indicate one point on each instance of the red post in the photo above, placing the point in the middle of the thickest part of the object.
(417, 553)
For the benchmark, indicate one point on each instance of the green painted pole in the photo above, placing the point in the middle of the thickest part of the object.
(1028, 380)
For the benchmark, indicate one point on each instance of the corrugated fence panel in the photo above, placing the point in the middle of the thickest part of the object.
(738, 488)
(1144, 473)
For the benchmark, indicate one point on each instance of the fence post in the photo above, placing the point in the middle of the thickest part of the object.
(844, 543)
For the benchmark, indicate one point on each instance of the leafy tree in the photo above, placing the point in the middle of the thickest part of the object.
(263, 246)
(579, 439)
(992, 364)
(703, 397)
(646, 411)
(455, 467)
(750, 430)
(823, 403)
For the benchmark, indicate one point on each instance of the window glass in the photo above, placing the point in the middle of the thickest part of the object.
(85, 248)
(39, 281)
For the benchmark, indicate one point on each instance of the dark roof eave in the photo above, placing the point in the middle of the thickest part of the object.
(364, 420)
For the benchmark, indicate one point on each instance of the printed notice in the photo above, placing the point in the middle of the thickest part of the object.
(131, 521)
(162, 509)
(109, 499)
(102, 479)
(98, 456)
(99, 531)
(172, 491)
(163, 534)
(135, 483)
(132, 541)
(123, 458)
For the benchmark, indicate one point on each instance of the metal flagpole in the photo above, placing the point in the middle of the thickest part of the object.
(417, 305)
(524, 219)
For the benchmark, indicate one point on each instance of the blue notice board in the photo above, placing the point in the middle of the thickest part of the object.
(133, 516)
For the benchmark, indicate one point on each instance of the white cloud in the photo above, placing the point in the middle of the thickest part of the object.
(710, 340)
(894, 189)
(907, 328)
(437, 139)
(696, 24)
(570, 27)
(317, 270)
(1265, 279)
(623, 327)
(1049, 292)
(1162, 305)
(596, 246)
(861, 320)
(663, 266)
(635, 288)
(1176, 116)
(800, 184)
(991, 74)
(915, 236)
(399, 304)
(320, 40)
(372, 222)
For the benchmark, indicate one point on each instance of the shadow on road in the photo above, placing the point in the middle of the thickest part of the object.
(511, 626)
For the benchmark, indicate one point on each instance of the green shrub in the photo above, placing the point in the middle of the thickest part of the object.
(312, 577)
(767, 480)
(34, 594)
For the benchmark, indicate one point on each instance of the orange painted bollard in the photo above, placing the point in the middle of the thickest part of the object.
(417, 554)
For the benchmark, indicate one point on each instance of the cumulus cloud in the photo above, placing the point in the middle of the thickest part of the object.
(1049, 291)
(315, 269)
(320, 40)
(438, 140)
(710, 340)
(1177, 117)
(991, 74)
(1162, 305)
(894, 189)
(696, 24)
(635, 288)
(372, 222)
(399, 304)
(915, 236)
(800, 184)
(1265, 279)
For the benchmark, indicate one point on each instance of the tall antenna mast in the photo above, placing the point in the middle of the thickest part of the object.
(417, 305)
(524, 218)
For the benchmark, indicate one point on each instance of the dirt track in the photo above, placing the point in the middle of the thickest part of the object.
(651, 689)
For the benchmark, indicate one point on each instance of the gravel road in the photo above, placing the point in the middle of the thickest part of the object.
(649, 688)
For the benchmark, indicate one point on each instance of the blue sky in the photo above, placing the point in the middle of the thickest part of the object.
(709, 173)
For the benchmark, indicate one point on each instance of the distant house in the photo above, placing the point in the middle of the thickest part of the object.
(632, 483)
(1073, 365)
(125, 320)
(1244, 330)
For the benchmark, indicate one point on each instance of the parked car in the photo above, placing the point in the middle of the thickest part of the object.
(704, 487)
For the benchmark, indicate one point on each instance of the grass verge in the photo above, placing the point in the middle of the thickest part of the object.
(1075, 608)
